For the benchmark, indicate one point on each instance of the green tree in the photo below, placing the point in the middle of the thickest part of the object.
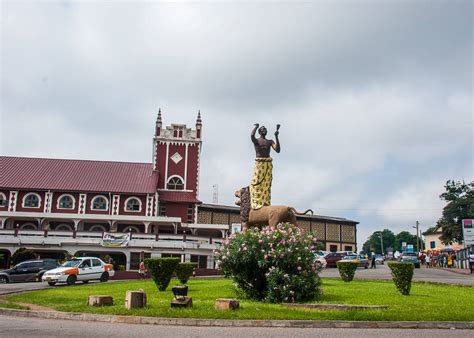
(404, 236)
(373, 243)
(460, 205)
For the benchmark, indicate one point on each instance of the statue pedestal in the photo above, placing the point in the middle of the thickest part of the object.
(182, 302)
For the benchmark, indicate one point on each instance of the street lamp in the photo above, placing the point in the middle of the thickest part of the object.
(417, 235)
(381, 241)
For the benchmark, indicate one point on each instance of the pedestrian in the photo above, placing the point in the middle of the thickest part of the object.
(450, 261)
(372, 257)
(428, 260)
(142, 270)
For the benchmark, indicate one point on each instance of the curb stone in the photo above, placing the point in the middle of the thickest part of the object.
(235, 323)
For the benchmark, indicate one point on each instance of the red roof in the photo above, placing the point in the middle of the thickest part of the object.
(77, 175)
(178, 196)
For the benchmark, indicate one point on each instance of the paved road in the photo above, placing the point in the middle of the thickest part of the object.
(34, 327)
(421, 274)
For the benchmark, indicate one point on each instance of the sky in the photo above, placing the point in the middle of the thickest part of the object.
(374, 98)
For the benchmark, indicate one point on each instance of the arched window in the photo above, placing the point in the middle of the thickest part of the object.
(31, 200)
(100, 203)
(131, 229)
(97, 228)
(175, 183)
(3, 200)
(133, 204)
(28, 226)
(66, 202)
(63, 227)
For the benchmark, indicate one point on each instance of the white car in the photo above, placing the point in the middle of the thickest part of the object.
(81, 269)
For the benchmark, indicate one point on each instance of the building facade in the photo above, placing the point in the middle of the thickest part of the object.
(54, 206)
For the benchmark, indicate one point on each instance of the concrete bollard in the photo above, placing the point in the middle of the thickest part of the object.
(226, 304)
(135, 299)
(100, 301)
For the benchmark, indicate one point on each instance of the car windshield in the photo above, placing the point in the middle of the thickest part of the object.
(72, 263)
(408, 254)
(350, 257)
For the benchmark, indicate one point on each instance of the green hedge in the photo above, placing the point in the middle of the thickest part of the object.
(402, 274)
(184, 271)
(161, 270)
(347, 270)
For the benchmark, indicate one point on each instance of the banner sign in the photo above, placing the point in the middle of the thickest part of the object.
(468, 232)
(115, 240)
(236, 228)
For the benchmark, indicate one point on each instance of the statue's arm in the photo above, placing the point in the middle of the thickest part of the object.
(252, 135)
(276, 144)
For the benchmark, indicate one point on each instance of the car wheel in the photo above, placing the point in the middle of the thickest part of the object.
(85, 281)
(104, 277)
(4, 280)
(51, 283)
(71, 280)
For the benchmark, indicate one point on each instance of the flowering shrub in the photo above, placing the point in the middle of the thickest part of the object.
(273, 264)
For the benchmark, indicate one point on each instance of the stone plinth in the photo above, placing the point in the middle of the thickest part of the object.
(226, 304)
(100, 301)
(182, 302)
(135, 299)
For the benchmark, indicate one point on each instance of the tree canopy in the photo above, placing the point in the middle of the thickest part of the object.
(460, 205)
(390, 240)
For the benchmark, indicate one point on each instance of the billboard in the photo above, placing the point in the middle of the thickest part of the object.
(468, 232)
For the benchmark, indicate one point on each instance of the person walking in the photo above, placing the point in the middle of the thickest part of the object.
(471, 261)
(142, 270)
(428, 260)
(372, 257)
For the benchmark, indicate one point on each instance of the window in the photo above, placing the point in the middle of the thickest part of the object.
(190, 213)
(100, 203)
(3, 200)
(31, 200)
(96, 262)
(66, 202)
(175, 183)
(133, 204)
(200, 260)
(86, 263)
(348, 248)
(162, 209)
(333, 248)
(432, 245)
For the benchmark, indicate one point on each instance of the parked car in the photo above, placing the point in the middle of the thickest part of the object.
(321, 261)
(332, 258)
(81, 269)
(410, 257)
(27, 271)
(379, 259)
(361, 260)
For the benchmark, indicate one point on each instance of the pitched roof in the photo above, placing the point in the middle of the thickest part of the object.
(178, 196)
(77, 175)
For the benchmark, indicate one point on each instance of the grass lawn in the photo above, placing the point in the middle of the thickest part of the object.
(427, 302)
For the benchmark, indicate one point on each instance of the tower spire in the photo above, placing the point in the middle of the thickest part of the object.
(198, 124)
(159, 123)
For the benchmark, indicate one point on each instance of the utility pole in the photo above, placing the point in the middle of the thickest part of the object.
(381, 242)
(417, 236)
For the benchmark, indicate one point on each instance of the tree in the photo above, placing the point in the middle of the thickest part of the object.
(460, 205)
(373, 243)
(404, 236)
(23, 254)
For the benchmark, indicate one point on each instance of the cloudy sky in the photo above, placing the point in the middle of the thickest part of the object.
(374, 98)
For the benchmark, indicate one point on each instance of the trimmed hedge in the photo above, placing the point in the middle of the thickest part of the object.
(184, 271)
(402, 274)
(347, 270)
(161, 270)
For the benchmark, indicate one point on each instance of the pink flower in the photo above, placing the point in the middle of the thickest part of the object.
(299, 268)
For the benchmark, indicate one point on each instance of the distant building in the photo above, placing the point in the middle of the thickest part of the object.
(53, 206)
(433, 242)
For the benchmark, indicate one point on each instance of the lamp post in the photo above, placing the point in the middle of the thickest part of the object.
(381, 241)
(417, 235)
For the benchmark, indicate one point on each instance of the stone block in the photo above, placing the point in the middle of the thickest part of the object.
(226, 304)
(182, 302)
(135, 299)
(100, 301)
